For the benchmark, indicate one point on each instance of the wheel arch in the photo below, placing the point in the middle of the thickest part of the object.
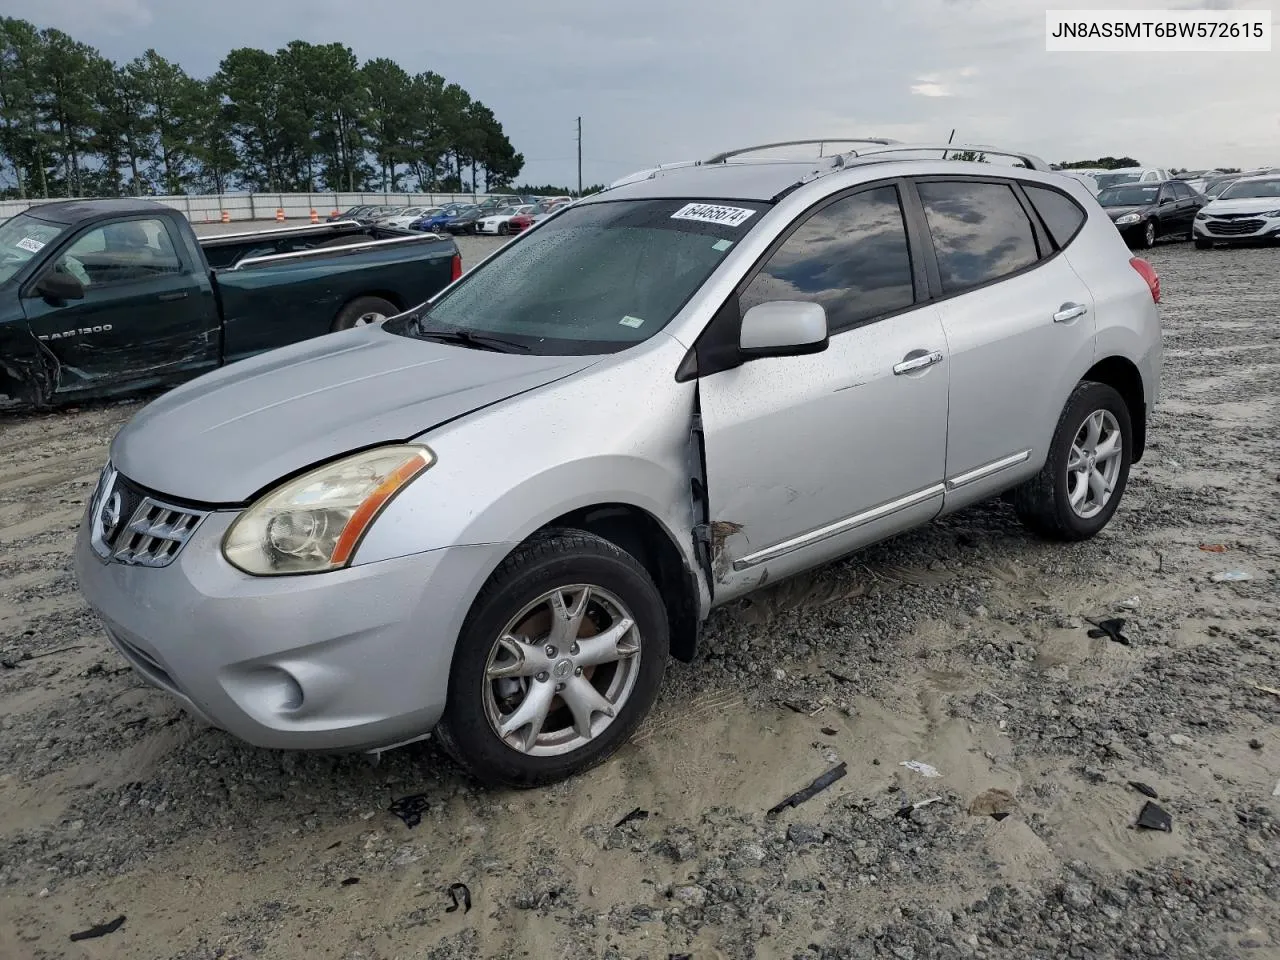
(1123, 376)
(642, 535)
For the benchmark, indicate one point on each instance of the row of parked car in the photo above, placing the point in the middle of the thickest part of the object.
(1148, 205)
(498, 215)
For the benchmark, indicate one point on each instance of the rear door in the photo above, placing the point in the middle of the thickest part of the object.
(1019, 324)
(148, 308)
(809, 457)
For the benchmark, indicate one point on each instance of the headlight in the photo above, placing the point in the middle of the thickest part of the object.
(315, 522)
(1202, 216)
(1127, 218)
(1271, 214)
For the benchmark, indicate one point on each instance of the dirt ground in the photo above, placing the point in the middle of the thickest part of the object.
(964, 646)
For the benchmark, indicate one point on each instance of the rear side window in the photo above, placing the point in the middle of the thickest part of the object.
(851, 257)
(1059, 212)
(980, 232)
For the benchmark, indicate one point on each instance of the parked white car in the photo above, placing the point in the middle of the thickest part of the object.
(1245, 212)
(1087, 179)
(1121, 175)
(408, 215)
(500, 223)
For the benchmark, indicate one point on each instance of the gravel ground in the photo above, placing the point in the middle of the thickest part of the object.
(963, 646)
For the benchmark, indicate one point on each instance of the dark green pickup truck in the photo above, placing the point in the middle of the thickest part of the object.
(102, 297)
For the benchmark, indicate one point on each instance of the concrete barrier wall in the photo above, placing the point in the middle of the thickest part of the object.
(209, 208)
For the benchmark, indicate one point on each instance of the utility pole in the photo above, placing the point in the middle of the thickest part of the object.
(579, 157)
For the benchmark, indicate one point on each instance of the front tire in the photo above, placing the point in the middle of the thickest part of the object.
(1145, 236)
(560, 659)
(1203, 244)
(1077, 491)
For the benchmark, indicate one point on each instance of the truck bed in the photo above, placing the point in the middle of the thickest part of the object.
(229, 250)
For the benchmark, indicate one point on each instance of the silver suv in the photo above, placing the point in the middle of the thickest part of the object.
(497, 515)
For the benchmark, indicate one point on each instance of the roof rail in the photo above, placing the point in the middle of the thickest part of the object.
(1030, 161)
(722, 157)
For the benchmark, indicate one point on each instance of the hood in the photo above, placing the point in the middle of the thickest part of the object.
(1243, 205)
(224, 436)
(1115, 213)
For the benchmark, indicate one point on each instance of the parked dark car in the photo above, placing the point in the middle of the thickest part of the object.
(101, 297)
(436, 222)
(465, 220)
(1145, 212)
(351, 213)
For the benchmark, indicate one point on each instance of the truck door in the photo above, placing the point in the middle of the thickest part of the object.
(148, 308)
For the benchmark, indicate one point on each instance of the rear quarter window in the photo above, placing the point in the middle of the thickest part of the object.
(980, 232)
(1060, 213)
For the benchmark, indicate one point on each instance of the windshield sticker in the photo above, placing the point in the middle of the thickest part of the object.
(31, 244)
(630, 321)
(710, 213)
(720, 246)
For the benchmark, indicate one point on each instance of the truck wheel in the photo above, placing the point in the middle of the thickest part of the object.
(559, 660)
(363, 311)
(1079, 488)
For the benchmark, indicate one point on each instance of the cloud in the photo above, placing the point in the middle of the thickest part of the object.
(679, 80)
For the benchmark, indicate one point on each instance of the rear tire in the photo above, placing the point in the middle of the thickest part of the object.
(363, 311)
(495, 682)
(1078, 489)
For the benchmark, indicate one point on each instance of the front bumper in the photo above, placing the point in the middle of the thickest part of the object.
(354, 659)
(1244, 229)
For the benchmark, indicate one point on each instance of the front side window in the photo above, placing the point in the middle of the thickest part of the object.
(980, 232)
(123, 252)
(596, 279)
(850, 257)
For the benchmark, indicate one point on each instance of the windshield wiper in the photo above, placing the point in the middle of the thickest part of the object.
(476, 341)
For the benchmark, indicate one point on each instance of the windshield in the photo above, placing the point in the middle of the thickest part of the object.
(466, 211)
(1214, 189)
(1111, 179)
(1129, 196)
(596, 279)
(21, 238)
(1256, 190)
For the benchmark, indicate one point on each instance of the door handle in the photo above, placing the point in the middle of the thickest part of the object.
(173, 296)
(912, 364)
(1070, 311)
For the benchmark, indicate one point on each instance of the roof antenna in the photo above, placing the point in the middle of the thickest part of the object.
(949, 139)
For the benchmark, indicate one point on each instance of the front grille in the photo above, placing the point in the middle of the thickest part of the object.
(1234, 227)
(131, 526)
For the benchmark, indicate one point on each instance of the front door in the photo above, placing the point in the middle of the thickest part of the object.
(1020, 325)
(810, 457)
(147, 311)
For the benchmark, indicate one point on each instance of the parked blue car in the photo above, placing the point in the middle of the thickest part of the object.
(437, 221)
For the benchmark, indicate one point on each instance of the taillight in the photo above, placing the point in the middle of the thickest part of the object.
(456, 270)
(1148, 273)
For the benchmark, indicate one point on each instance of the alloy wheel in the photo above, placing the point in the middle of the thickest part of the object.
(1094, 463)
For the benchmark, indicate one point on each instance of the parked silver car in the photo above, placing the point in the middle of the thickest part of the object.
(497, 515)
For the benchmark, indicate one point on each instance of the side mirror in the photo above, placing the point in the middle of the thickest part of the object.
(1164, 200)
(783, 328)
(57, 288)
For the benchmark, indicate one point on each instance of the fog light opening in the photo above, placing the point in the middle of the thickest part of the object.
(283, 692)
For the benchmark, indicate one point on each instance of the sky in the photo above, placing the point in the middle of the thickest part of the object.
(682, 79)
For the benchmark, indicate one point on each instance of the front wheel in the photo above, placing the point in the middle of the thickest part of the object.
(559, 661)
(1146, 235)
(1202, 243)
(503, 229)
(1079, 488)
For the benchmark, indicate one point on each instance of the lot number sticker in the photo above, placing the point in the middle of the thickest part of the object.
(710, 213)
(30, 244)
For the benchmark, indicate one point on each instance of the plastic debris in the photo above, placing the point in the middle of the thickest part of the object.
(1132, 603)
(350, 881)
(100, 930)
(829, 731)
(410, 809)
(994, 803)
(1144, 789)
(1271, 690)
(1231, 576)
(911, 808)
(812, 790)
(1155, 817)
(636, 814)
(1213, 547)
(921, 768)
(461, 895)
(1109, 628)
(1255, 744)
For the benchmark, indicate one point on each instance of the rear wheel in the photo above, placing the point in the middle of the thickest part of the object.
(559, 660)
(1079, 488)
(362, 312)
